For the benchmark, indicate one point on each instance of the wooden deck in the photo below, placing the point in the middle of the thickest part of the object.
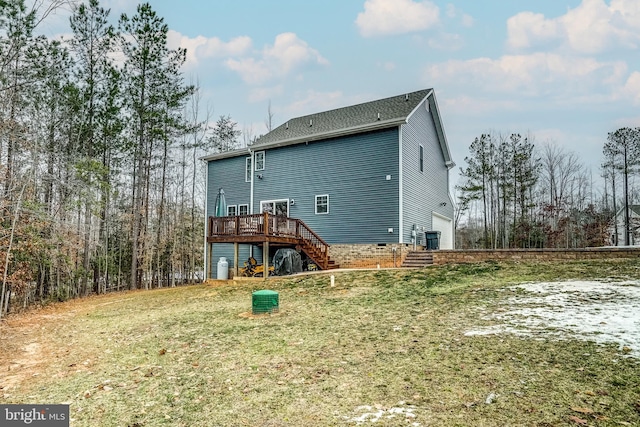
(265, 229)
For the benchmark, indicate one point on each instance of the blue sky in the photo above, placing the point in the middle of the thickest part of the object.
(566, 71)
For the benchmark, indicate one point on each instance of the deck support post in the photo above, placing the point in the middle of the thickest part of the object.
(265, 259)
(235, 259)
(207, 262)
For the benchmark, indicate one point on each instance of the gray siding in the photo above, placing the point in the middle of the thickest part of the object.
(423, 191)
(228, 174)
(352, 170)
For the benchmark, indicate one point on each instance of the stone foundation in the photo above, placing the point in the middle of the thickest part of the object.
(371, 255)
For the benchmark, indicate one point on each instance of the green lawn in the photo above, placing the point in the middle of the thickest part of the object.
(385, 345)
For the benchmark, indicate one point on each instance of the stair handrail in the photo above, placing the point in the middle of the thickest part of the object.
(314, 242)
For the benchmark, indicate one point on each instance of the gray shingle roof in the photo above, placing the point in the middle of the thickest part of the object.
(372, 114)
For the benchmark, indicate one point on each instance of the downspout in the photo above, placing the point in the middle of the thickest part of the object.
(400, 190)
(252, 154)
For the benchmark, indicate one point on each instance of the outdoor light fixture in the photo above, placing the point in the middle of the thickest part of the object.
(443, 204)
(259, 176)
(293, 202)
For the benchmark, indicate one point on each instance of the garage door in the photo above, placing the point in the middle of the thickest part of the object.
(445, 226)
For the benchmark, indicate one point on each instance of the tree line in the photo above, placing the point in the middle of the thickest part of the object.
(515, 194)
(100, 135)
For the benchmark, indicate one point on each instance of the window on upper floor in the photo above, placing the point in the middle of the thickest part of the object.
(232, 210)
(247, 174)
(259, 160)
(421, 159)
(243, 209)
(322, 204)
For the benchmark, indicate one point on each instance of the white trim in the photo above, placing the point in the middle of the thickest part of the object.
(315, 208)
(441, 216)
(426, 98)
(400, 188)
(264, 160)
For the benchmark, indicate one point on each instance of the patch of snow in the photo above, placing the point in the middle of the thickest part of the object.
(373, 417)
(603, 312)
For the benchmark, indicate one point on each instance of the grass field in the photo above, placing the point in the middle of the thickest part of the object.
(386, 346)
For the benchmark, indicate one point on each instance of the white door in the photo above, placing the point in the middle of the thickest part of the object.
(445, 226)
(275, 207)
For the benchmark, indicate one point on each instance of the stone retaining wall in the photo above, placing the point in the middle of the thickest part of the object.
(382, 255)
(478, 255)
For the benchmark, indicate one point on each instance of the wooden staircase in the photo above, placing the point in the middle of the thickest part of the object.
(417, 259)
(317, 256)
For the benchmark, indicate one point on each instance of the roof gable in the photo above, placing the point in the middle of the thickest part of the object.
(369, 116)
(356, 118)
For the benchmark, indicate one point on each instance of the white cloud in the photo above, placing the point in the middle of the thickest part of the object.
(200, 47)
(627, 122)
(540, 74)
(467, 105)
(632, 87)
(265, 93)
(387, 66)
(592, 27)
(465, 19)
(384, 17)
(312, 101)
(527, 28)
(288, 54)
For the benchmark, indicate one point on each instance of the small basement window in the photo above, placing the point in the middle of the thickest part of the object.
(322, 204)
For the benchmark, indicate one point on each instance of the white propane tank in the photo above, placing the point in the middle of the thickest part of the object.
(223, 269)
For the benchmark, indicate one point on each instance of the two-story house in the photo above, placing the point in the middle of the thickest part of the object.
(375, 173)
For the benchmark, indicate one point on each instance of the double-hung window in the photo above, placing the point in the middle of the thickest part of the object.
(322, 204)
(247, 174)
(232, 210)
(243, 210)
(259, 160)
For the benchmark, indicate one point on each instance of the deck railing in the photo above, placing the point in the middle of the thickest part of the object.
(271, 226)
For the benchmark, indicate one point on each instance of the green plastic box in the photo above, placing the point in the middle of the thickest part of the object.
(265, 301)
